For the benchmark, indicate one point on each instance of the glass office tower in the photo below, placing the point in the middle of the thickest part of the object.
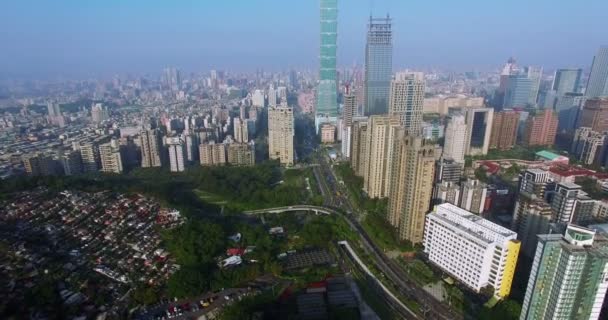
(327, 101)
(378, 65)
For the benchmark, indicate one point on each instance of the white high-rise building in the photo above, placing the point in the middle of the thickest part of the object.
(473, 250)
(282, 95)
(455, 139)
(272, 97)
(281, 135)
(99, 113)
(111, 158)
(257, 99)
(177, 154)
(241, 130)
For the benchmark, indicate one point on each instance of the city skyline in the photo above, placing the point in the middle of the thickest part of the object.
(74, 39)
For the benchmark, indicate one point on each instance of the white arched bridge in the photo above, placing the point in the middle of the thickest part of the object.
(315, 209)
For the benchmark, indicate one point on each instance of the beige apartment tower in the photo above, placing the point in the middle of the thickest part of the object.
(379, 149)
(241, 154)
(150, 149)
(358, 159)
(280, 135)
(212, 154)
(412, 186)
(407, 100)
(504, 130)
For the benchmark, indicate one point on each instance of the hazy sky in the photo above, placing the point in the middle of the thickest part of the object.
(42, 38)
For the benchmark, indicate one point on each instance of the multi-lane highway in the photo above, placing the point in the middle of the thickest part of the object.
(336, 196)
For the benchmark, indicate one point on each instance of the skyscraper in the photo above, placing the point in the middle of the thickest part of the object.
(327, 101)
(568, 276)
(378, 65)
(407, 99)
(518, 91)
(504, 130)
(597, 85)
(411, 191)
(281, 135)
(566, 80)
(456, 135)
(534, 74)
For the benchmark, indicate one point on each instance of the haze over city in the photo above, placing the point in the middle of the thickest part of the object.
(304, 160)
(89, 38)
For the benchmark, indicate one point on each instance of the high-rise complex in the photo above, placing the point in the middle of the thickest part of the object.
(449, 170)
(446, 191)
(595, 114)
(150, 148)
(568, 276)
(257, 98)
(567, 80)
(532, 214)
(378, 65)
(281, 135)
(479, 129)
(473, 250)
(241, 154)
(99, 113)
(456, 134)
(564, 201)
(241, 130)
(71, 162)
(473, 196)
(504, 130)
(192, 143)
(406, 100)
(597, 85)
(53, 109)
(111, 157)
(541, 128)
(212, 154)
(381, 135)
(411, 191)
(588, 146)
(89, 153)
(177, 154)
(327, 101)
